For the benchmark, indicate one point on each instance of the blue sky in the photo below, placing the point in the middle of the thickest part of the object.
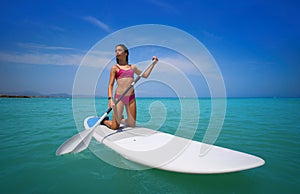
(256, 44)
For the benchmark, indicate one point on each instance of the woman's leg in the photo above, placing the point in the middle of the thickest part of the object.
(117, 116)
(131, 113)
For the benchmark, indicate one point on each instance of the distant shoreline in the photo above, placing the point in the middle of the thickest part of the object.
(62, 96)
(26, 96)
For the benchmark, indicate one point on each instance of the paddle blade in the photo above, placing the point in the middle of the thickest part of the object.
(84, 144)
(81, 141)
(72, 143)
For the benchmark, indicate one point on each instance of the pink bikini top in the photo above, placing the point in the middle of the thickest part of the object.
(124, 73)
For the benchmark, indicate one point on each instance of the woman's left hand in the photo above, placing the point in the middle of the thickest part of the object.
(154, 58)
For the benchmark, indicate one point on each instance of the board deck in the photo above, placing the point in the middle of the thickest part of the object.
(165, 151)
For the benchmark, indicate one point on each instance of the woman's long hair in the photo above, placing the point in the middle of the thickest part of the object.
(125, 50)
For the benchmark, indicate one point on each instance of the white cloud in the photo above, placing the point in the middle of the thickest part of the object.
(97, 23)
(40, 25)
(41, 58)
(97, 58)
(211, 35)
(38, 54)
(172, 63)
(43, 47)
(164, 5)
(41, 54)
(56, 28)
(177, 63)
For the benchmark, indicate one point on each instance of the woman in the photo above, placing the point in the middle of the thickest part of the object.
(123, 73)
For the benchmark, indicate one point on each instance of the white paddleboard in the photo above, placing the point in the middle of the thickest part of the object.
(164, 151)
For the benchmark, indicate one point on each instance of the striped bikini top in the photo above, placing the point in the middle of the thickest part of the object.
(124, 73)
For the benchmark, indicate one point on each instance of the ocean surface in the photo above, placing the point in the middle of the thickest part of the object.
(32, 130)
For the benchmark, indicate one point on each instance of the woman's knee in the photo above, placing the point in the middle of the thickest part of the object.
(131, 123)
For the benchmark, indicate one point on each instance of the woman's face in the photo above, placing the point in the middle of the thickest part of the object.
(120, 52)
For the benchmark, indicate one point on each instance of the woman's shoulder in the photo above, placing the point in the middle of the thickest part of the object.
(115, 67)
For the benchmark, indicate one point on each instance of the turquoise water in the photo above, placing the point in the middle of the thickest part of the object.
(32, 130)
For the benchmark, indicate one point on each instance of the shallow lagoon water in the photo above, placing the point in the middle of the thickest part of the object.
(32, 130)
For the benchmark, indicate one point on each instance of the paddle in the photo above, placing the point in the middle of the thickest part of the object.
(81, 141)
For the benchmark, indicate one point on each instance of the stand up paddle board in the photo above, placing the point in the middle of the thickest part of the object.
(164, 151)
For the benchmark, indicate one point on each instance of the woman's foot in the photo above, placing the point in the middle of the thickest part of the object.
(105, 119)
